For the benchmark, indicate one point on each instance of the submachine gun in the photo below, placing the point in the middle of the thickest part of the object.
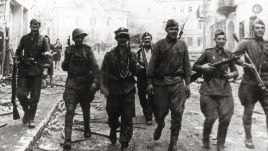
(254, 69)
(197, 75)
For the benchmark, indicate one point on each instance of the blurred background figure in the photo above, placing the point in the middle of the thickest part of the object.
(57, 53)
(50, 68)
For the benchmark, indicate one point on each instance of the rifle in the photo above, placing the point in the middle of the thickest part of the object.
(16, 114)
(254, 69)
(197, 75)
(181, 31)
(69, 41)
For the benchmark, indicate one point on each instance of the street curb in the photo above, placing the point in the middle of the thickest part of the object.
(37, 132)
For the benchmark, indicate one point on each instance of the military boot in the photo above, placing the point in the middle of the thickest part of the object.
(124, 146)
(87, 132)
(32, 111)
(158, 131)
(112, 136)
(173, 141)
(220, 145)
(248, 141)
(25, 118)
(68, 135)
(67, 144)
(206, 138)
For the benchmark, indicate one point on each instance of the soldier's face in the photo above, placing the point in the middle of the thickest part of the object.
(220, 40)
(122, 39)
(35, 28)
(258, 30)
(147, 40)
(78, 40)
(172, 32)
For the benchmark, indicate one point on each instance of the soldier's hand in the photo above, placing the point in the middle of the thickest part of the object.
(229, 75)
(45, 72)
(207, 67)
(247, 65)
(150, 89)
(93, 87)
(104, 91)
(187, 91)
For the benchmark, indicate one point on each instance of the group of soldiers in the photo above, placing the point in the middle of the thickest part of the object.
(163, 74)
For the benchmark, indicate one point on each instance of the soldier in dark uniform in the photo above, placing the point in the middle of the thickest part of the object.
(81, 83)
(143, 57)
(216, 98)
(118, 85)
(249, 91)
(169, 69)
(32, 53)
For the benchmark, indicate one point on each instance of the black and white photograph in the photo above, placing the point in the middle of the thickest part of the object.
(133, 75)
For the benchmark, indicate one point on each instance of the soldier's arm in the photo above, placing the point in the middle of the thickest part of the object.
(187, 66)
(104, 71)
(233, 69)
(67, 55)
(239, 50)
(20, 48)
(134, 63)
(95, 68)
(200, 61)
(152, 63)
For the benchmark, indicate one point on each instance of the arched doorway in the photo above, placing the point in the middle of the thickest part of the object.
(231, 41)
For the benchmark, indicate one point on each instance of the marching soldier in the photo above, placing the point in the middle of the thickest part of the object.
(143, 57)
(81, 83)
(216, 98)
(249, 91)
(118, 85)
(168, 69)
(32, 54)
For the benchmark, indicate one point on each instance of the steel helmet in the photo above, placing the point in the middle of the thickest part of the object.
(77, 32)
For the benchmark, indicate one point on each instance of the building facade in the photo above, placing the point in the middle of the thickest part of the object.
(232, 16)
(152, 15)
(14, 23)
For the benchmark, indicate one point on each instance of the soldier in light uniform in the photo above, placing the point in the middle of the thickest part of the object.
(249, 91)
(143, 57)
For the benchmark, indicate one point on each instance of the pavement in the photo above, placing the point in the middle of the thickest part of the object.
(18, 137)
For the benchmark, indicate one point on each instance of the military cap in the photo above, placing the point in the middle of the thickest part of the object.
(120, 31)
(172, 23)
(146, 34)
(219, 32)
(258, 21)
(35, 21)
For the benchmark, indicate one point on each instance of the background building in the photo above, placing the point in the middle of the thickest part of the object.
(152, 16)
(231, 16)
(14, 23)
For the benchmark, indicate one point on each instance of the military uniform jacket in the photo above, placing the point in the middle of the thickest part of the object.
(258, 53)
(31, 55)
(82, 67)
(169, 66)
(214, 82)
(118, 71)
